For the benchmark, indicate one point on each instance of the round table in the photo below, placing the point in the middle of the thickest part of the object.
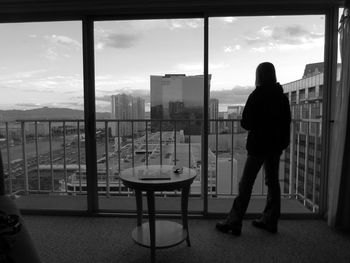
(151, 178)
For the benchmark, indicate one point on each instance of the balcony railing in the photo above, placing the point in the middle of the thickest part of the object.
(48, 156)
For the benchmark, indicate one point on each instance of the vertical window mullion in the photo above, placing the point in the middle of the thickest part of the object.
(90, 114)
(330, 76)
(204, 153)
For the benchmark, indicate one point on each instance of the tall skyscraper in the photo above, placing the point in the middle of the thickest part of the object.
(127, 107)
(177, 96)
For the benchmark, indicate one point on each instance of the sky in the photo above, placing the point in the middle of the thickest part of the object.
(41, 63)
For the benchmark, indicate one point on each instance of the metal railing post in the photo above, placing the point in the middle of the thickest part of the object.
(232, 148)
(51, 157)
(37, 153)
(216, 155)
(79, 156)
(146, 138)
(118, 133)
(8, 158)
(107, 157)
(25, 168)
(132, 144)
(175, 142)
(306, 160)
(297, 165)
(189, 146)
(160, 143)
(291, 158)
(314, 169)
(64, 157)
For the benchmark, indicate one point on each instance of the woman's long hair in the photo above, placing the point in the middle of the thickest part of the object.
(265, 75)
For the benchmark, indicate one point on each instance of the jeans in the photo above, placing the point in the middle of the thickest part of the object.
(253, 164)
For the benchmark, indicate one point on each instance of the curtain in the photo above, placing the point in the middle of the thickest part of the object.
(339, 168)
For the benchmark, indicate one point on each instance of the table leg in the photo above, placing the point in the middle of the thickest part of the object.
(184, 211)
(152, 225)
(138, 195)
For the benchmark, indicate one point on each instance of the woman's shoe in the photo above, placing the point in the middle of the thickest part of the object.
(226, 226)
(269, 227)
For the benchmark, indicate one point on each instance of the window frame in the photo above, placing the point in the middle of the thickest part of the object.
(92, 14)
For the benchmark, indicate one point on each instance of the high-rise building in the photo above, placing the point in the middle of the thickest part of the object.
(177, 96)
(127, 107)
(213, 114)
(302, 171)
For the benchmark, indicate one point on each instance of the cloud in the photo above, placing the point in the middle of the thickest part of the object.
(36, 82)
(260, 49)
(217, 66)
(51, 53)
(236, 95)
(287, 37)
(39, 90)
(106, 98)
(191, 67)
(230, 49)
(185, 23)
(294, 35)
(100, 107)
(228, 19)
(64, 41)
(77, 105)
(58, 45)
(120, 40)
(29, 105)
(107, 83)
(19, 77)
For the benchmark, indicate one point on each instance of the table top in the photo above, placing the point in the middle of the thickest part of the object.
(157, 177)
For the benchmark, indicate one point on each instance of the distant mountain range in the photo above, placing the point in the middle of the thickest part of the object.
(46, 113)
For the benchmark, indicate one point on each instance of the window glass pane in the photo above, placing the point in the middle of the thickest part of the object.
(41, 103)
(237, 45)
(148, 70)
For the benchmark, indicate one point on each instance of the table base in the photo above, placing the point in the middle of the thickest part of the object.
(168, 234)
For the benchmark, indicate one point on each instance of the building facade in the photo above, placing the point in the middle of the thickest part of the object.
(127, 107)
(302, 171)
(177, 96)
(235, 112)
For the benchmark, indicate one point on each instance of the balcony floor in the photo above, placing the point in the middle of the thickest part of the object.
(108, 239)
(168, 205)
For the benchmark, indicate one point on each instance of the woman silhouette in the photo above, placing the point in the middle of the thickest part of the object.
(267, 118)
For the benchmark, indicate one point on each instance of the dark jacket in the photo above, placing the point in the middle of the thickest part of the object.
(267, 118)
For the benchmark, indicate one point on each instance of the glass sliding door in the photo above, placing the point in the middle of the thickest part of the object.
(295, 45)
(149, 104)
(42, 114)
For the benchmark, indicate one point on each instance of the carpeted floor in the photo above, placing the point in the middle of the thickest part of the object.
(108, 239)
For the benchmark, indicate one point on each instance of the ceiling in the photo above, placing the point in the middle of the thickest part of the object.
(32, 10)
